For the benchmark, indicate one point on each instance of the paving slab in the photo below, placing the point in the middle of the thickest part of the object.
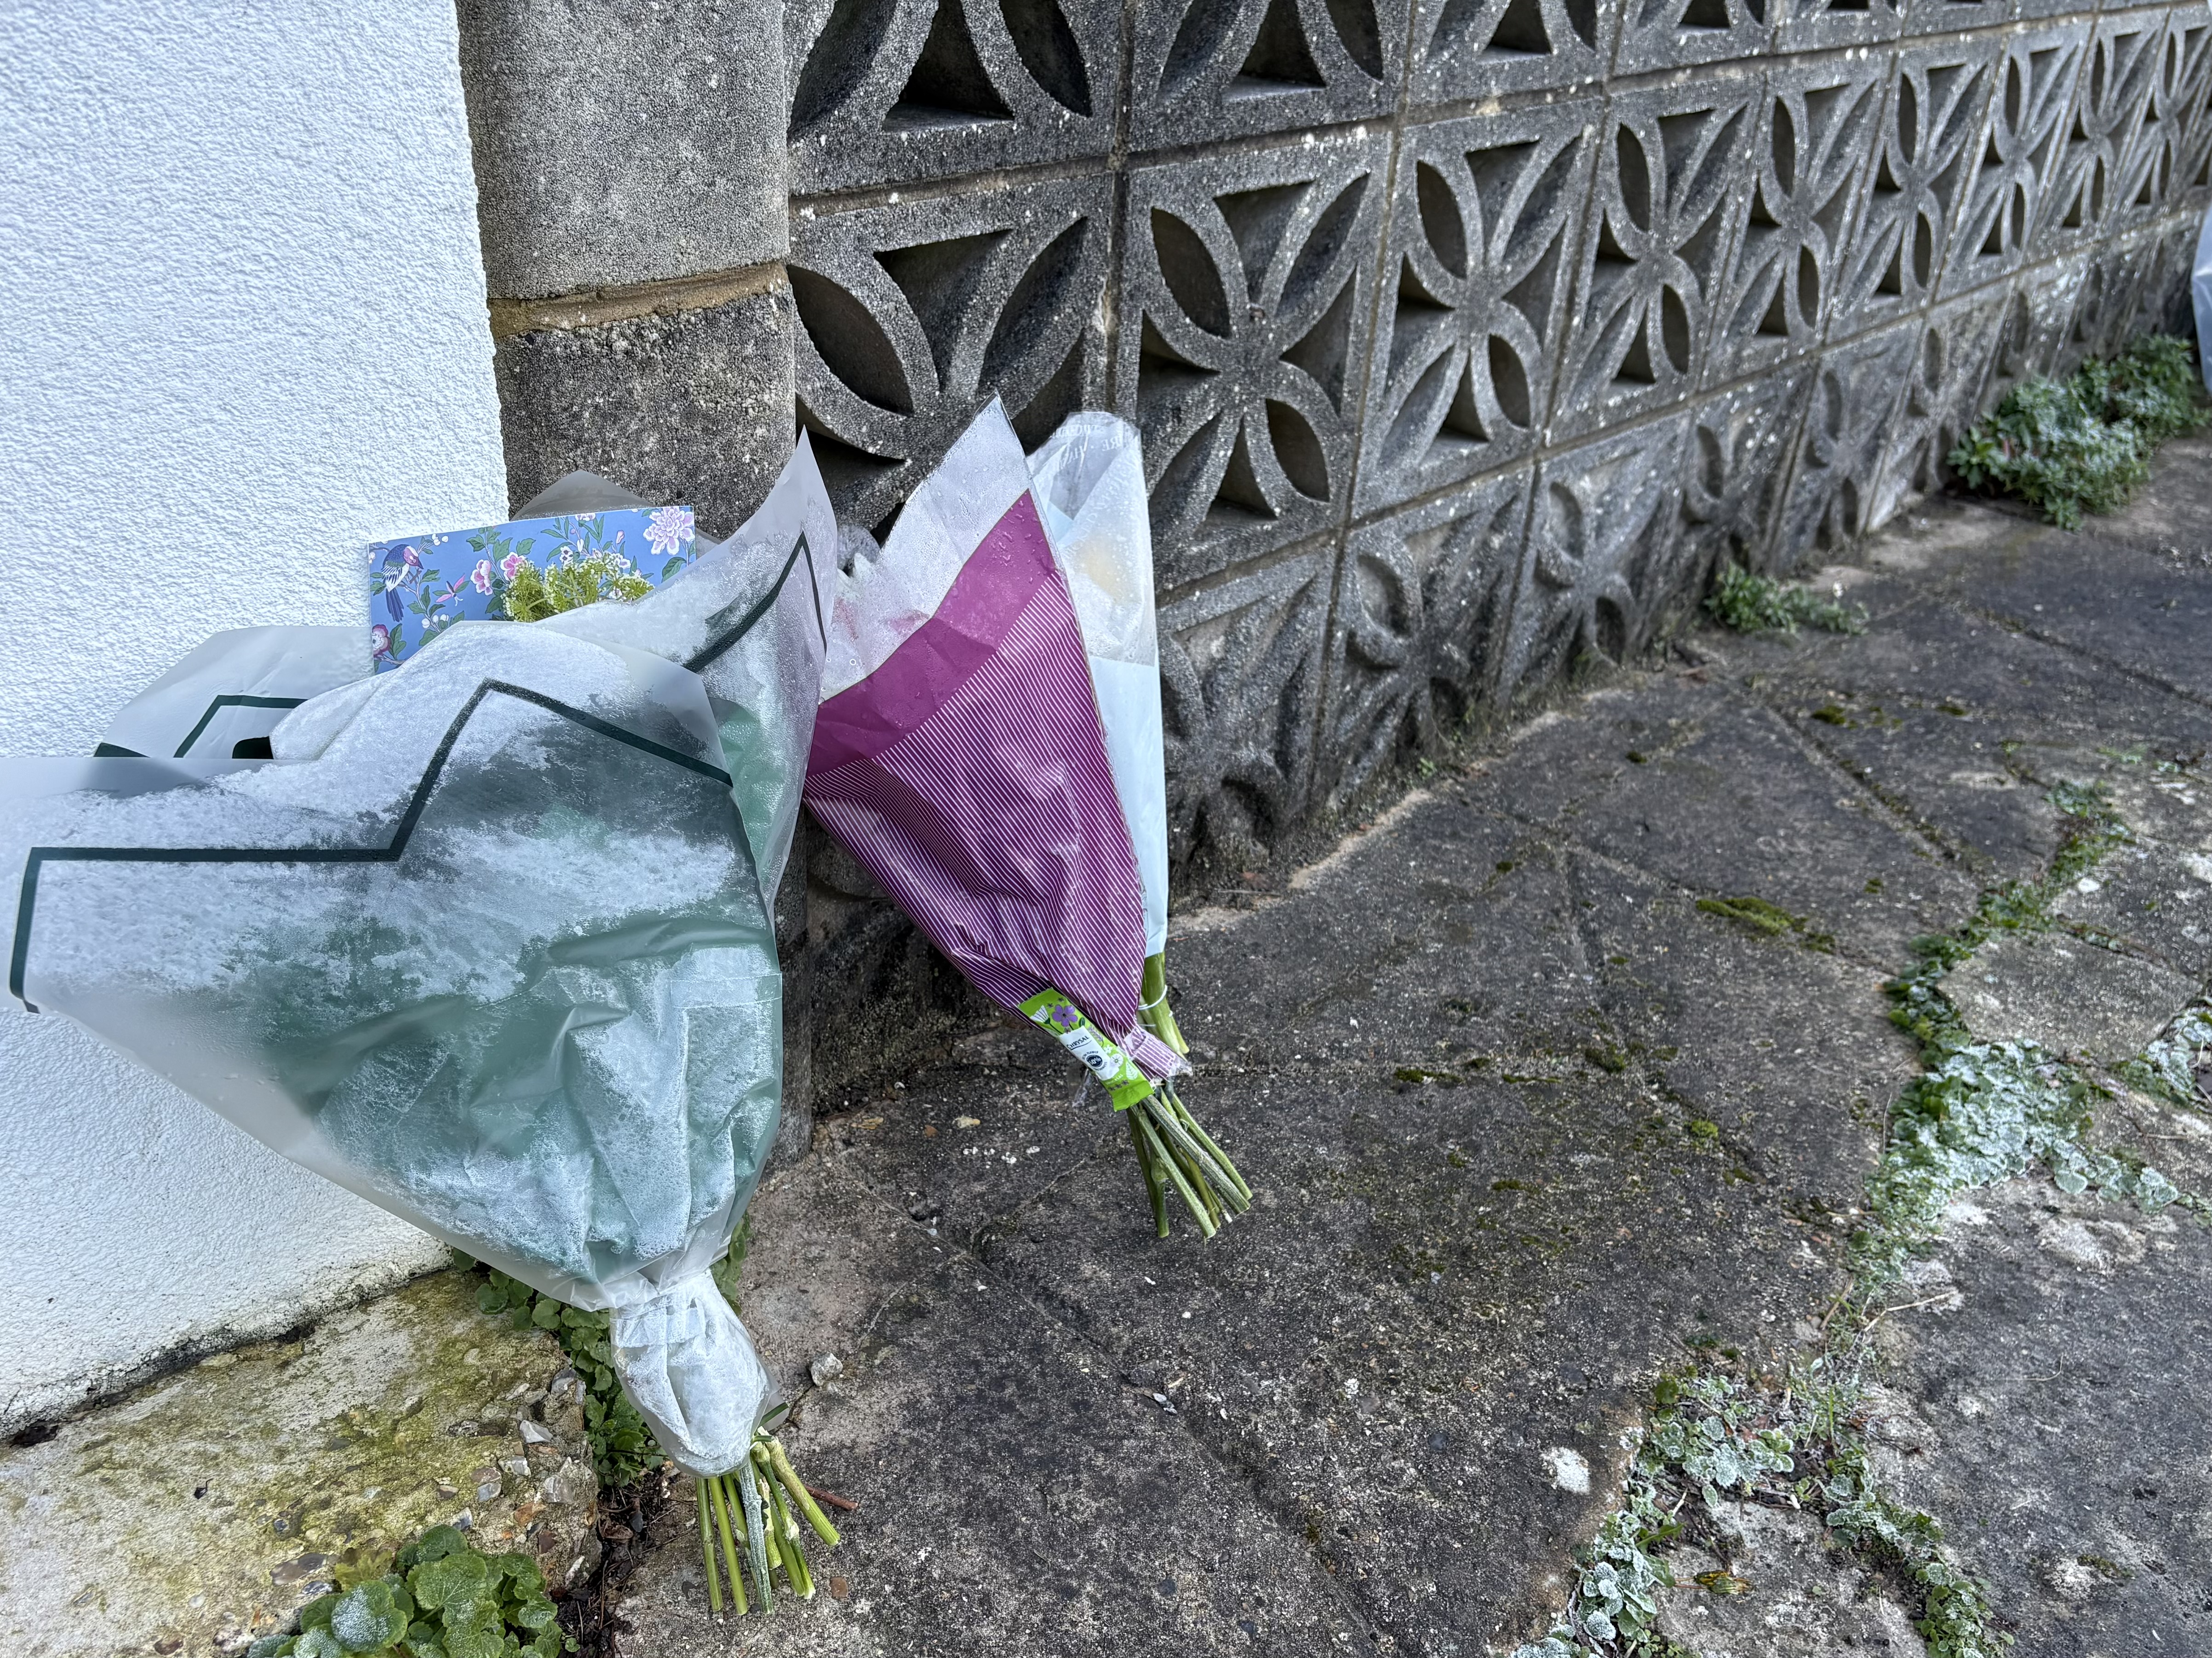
(2048, 1418)
(203, 1509)
(1726, 800)
(2075, 996)
(1569, 1070)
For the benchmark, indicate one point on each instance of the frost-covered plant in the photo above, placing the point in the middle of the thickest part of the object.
(1750, 604)
(441, 1598)
(2084, 444)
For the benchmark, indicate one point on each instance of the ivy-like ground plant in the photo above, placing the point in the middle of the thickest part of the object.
(2083, 444)
(441, 1598)
(1748, 604)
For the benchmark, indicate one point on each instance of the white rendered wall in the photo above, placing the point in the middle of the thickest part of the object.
(244, 334)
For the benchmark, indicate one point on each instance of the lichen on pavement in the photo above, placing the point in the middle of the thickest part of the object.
(204, 1508)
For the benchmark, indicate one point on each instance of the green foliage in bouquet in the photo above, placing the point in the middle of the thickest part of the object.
(1748, 604)
(441, 1598)
(531, 594)
(2084, 445)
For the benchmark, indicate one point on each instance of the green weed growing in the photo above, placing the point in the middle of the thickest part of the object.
(1714, 1440)
(1749, 603)
(2084, 445)
(441, 1598)
(623, 1446)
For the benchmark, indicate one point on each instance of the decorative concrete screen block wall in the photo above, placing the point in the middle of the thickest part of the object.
(1467, 336)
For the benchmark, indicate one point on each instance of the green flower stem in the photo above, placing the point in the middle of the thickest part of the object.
(1220, 1157)
(1198, 1154)
(754, 1510)
(707, 1551)
(756, 1541)
(1156, 1153)
(723, 1507)
(781, 1460)
(795, 1571)
(1160, 1017)
(1153, 1188)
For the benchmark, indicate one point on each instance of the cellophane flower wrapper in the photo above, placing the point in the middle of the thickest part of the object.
(959, 754)
(488, 945)
(1088, 481)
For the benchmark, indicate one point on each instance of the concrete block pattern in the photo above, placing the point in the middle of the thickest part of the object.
(1817, 128)
(1241, 664)
(1476, 273)
(2185, 99)
(2090, 188)
(1941, 398)
(2039, 308)
(1424, 613)
(2021, 137)
(1245, 309)
(1938, 100)
(1667, 282)
(1673, 171)
(1948, 17)
(1733, 469)
(1466, 50)
(1605, 553)
(913, 317)
(1813, 25)
(899, 90)
(1677, 34)
(1220, 69)
(1845, 443)
(2165, 159)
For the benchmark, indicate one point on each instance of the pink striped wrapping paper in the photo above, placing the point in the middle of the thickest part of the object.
(968, 773)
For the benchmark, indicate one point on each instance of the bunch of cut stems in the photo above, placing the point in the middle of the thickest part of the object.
(753, 1511)
(1174, 1151)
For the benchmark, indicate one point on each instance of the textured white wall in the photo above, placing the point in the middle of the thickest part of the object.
(242, 333)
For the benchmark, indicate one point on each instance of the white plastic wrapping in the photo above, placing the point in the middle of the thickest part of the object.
(882, 600)
(232, 691)
(1089, 484)
(486, 946)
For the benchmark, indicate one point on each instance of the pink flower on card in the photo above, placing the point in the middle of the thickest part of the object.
(482, 575)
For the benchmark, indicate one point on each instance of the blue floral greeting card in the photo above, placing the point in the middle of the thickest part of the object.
(421, 585)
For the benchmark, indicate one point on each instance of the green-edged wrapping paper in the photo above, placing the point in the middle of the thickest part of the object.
(490, 945)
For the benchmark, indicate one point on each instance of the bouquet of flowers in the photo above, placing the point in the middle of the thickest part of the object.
(958, 754)
(489, 946)
(1088, 481)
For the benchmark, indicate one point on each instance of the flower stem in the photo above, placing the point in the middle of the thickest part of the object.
(1220, 1157)
(1152, 1189)
(725, 1508)
(756, 1534)
(781, 1460)
(707, 1551)
(1160, 1017)
(1157, 1154)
